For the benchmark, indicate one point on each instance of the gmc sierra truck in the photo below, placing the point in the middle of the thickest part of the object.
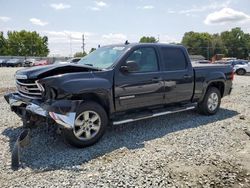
(117, 84)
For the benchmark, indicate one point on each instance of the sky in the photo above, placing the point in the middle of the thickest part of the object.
(115, 21)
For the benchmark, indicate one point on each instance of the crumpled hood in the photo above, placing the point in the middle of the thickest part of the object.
(52, 70)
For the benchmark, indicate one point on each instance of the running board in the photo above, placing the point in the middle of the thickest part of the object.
(153, 115)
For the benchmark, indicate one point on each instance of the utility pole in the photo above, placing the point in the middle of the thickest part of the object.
(83, 44)
(208, 50)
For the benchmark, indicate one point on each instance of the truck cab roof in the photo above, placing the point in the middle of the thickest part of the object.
(130, 45)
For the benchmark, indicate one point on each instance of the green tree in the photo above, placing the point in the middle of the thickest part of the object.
(26, 43)
(236, 43)
(92, 49)
(3, 44)
(145, 39)
(217, 45)
(80, 54)
(247, 36)
(198, 43)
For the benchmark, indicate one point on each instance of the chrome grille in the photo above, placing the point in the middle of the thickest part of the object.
(28, 88)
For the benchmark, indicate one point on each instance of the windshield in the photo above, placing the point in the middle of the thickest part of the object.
(103, 57)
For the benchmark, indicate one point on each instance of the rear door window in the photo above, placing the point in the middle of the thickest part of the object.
(173, 59)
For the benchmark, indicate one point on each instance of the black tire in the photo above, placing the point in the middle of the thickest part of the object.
(69, 134)
(204, 108)
(241, 71)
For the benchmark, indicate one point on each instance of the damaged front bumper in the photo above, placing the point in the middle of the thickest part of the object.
(63, 112)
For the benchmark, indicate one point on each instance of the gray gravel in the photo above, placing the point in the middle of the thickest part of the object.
(178, 150)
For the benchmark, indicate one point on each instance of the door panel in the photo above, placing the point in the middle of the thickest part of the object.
(178, 75)
(138, 90)
(142, 87)
(178, 86)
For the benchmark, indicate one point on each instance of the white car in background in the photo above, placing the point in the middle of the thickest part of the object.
(29, 62)
(242, 69)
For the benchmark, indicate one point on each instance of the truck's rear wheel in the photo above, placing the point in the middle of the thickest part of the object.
(211, 102)
(90, 124)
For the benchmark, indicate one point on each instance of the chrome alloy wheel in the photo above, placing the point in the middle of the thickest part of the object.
(87, 125)
(213, 101)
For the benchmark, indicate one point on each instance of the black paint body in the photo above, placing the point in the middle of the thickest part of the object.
(119, 92)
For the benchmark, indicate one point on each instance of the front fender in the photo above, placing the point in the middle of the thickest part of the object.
(79, 86)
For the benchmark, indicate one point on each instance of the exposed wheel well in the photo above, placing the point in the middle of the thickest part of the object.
(219, 85)
(93, 97)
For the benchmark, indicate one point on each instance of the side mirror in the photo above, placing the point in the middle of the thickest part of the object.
(130, 66)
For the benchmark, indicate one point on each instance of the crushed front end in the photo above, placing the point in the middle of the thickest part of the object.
(29, 104)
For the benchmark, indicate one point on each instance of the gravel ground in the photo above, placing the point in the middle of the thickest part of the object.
(178, 150)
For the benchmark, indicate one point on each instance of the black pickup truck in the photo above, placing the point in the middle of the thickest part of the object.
(117, 84)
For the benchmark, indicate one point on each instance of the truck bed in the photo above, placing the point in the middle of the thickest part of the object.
(203, 76)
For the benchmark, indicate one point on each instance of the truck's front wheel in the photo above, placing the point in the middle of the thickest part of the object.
(90, 124)
(211, 102)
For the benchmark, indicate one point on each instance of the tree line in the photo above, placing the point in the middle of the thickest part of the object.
(233, 43)
(23, 43)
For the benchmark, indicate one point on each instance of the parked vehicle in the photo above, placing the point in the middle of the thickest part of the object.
(14, 63)
(242, 68)
(232, 62)
(228, 59)
(72, 60)
(3, 62)
(118, 84)
(41, 63)
(29, 62)
(237, 62)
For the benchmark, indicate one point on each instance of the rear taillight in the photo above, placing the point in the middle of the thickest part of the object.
(232, 75)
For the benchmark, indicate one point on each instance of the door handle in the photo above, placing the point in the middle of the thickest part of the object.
(187, 76)
(157, 79)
